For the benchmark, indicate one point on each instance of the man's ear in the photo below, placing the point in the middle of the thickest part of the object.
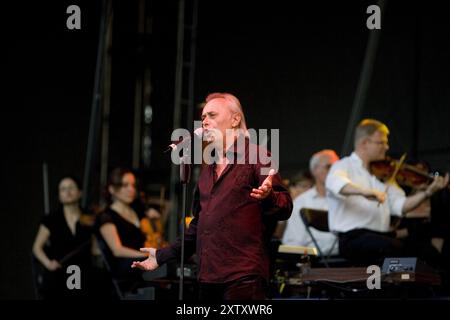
(361, 142)
(365, 140)
(111, 190)
(236, 119)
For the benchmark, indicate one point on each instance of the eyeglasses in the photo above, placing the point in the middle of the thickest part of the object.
(384, 143)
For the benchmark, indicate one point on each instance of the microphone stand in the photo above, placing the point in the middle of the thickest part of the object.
(185, 175)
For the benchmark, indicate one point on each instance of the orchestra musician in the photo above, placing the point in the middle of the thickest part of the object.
(126, 226)
(64, 238)
(360, 205)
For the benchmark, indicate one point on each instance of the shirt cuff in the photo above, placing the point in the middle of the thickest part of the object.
(397, 206)
(163, 255)
(271, 199)
(335, 185)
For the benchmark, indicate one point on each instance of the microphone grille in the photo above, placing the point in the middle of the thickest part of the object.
(198, 132)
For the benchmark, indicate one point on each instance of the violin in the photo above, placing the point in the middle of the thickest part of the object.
(87, 220)
(153, 230)
(407, 175)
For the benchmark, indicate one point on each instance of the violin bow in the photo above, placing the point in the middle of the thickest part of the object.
(397, 168)
(392, 178)
(77, 250)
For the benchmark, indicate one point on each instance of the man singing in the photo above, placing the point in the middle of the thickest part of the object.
(232, 198)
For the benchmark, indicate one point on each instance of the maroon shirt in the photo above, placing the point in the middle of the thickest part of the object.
(227, 231)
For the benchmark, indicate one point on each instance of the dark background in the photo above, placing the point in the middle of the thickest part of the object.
(294, 66)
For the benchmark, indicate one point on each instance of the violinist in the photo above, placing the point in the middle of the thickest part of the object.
(123, 226)
(63, 239)
(314, 198)
(360, 205)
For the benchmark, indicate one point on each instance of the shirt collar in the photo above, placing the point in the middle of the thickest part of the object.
(355, 158)
(314, 192)
(238, 148)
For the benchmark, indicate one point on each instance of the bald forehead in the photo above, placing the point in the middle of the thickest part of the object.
(216, 104)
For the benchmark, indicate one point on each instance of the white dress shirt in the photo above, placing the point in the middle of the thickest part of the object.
(355, 212)
(296, 234)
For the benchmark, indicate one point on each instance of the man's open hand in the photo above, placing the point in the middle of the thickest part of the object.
(265, 189)
(148, 264)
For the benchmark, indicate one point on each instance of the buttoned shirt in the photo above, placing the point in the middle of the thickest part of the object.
(227, 231)
(296, 233)
(354, 211)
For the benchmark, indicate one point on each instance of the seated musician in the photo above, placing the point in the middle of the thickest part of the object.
(360, 205)
(68, 233)
(301, 182)
(125, 228)
(314, 198)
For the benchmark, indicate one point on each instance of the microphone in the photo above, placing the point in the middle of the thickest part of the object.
(197, 133)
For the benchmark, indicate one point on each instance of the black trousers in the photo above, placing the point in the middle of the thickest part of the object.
(366, 247)
(251, 287)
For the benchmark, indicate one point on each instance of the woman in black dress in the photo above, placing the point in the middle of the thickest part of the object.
(120, 227)
(64, 238)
